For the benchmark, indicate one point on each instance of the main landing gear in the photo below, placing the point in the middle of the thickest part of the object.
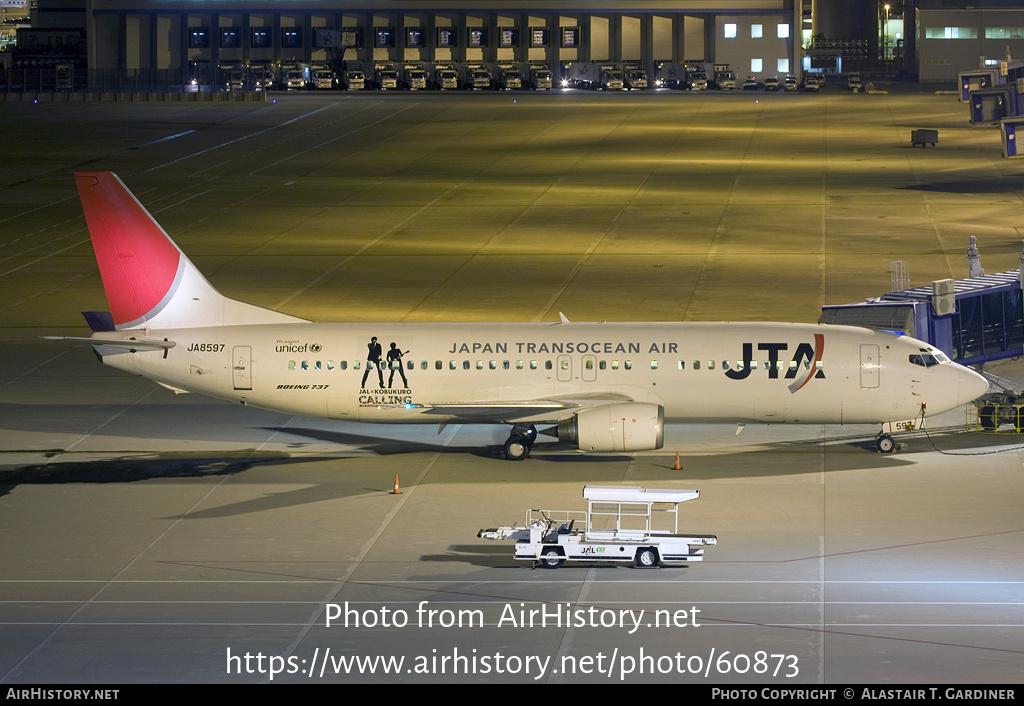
(520, 441)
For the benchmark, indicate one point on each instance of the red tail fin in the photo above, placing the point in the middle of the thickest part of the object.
(138, 262)
(149, 281)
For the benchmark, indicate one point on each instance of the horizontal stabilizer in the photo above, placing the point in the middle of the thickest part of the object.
(132, 344)
(99, 321)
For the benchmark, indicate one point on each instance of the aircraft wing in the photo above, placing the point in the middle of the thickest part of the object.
(507, 411)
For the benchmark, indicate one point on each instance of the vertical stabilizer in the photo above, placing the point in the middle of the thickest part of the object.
(149, 282)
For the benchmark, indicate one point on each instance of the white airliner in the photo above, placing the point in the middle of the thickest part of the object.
(604, 387)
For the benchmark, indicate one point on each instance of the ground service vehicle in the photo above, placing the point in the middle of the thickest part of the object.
(633, 77)
(446, 78)
(541, 78)
(261, 76)
(611, 78)
(322, 77)
(293, 76)
(385, 77)
(618, 526)
(354, 80)
(696, 76)
(771, 83)
(509, 78)
(416, 79)
(790, 83)
(671, 75)
(724, 78)
(478, 78)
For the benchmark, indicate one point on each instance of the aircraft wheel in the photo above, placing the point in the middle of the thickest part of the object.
(551, 559)
(647, 558)
(987, 417)
(885, 443)
(516, 448)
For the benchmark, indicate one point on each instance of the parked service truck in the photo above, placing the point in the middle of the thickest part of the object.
(446, 78)
(621, 524)
(510, 78)
(589, 75)
(540, 77)
(725, 78)
(354, 80)
(478, 78)
(385, 77)
(322, 77)
(293, 76)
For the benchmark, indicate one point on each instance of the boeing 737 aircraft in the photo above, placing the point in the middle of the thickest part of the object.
(605, 387)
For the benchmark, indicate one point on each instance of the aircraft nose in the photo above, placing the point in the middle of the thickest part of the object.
(971, 385)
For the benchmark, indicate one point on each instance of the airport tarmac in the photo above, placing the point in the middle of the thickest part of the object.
(155, 538)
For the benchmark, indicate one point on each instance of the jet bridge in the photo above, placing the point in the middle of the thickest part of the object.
(974, 321)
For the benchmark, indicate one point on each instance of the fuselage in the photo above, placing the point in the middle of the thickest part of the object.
(735, 372)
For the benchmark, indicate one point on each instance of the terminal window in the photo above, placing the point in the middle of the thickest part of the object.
(1004, 33)
(756, 65)
(756, 31)
(782, 31)
(730, 30)
(951, 33)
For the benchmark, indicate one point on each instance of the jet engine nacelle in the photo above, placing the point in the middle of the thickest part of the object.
(628, 426)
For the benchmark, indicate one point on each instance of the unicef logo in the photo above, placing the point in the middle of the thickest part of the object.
(314, 347)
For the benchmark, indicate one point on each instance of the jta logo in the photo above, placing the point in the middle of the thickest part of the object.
(805, 354)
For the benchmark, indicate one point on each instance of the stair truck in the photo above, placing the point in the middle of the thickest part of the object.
(618, 526)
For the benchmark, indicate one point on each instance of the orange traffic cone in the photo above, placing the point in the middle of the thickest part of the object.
(396, 491)
(677, 467)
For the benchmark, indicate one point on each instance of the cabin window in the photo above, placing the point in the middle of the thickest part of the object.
(342, 365)
(547, 365)
(355, 365)
(305, 365)
(602, 365)
(654, 365)
(519, 365)
(316, 366)
(465, 365)
(451, 365)
(696, 365)
(291, 365)
(681, 365)
(504, 365)
(533, 365)
(588, 364)
(628, 365)
(479, 365)
(423, 365)
(330, 365)
(563, 364)
(711, 365)
(615, 365)
(438, 365)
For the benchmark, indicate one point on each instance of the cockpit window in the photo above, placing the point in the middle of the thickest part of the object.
(925, 360)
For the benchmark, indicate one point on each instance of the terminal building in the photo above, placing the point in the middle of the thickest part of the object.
(754, 36)
(932, 39)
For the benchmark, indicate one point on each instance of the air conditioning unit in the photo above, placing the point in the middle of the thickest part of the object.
(944, 297)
